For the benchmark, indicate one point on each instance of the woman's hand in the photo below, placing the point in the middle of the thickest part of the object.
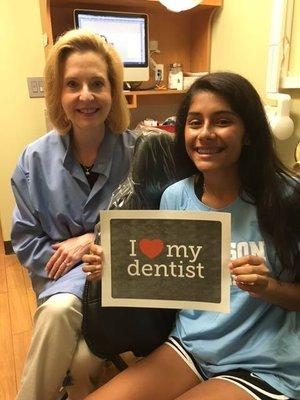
(67, 254)
(93, 263)
(251, 274)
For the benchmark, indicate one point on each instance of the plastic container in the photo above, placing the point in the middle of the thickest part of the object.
(175, 80)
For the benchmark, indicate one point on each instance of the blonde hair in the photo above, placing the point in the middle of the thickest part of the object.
(79, 40)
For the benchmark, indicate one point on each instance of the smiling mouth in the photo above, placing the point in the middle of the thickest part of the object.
(87, 111)
(209, 150)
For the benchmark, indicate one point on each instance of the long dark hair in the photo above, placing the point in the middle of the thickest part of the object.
(263, 176)
(152, 171)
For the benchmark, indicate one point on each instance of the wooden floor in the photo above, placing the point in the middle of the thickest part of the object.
(17, 305)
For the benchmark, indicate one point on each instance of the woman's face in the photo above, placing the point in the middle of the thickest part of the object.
(86, 91)
(213, 134)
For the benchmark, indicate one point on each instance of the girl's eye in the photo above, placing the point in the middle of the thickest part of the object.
(223, 122)
(194, 123)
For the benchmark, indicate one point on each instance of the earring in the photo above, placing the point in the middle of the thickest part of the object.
(247, 142)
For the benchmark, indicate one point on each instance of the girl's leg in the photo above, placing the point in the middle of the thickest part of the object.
(216, 389)
(163, 375)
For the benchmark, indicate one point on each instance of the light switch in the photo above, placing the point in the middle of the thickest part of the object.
(36, 86)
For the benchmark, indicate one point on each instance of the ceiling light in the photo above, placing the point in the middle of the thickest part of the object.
(179, 5)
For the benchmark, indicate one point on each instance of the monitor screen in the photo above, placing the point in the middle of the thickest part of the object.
(127, 32)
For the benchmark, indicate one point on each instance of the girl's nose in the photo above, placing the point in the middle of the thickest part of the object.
(206, 131)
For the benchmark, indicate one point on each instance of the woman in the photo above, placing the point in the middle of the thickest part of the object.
(61, 182)
(253, 352)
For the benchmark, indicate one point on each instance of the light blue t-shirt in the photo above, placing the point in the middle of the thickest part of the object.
(255, 335)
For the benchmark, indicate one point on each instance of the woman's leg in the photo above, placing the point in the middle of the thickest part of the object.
(87, 372)
(57, 328)
(163, 375)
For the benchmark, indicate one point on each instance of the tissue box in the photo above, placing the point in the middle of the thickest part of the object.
(190, 77)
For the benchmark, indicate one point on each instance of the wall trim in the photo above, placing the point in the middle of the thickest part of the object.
(8, 249)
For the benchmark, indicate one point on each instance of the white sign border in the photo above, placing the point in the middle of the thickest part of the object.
(225, 219)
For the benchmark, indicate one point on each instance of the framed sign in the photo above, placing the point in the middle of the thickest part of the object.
(167, 259)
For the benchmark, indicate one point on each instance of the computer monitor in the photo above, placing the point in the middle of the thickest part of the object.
(128, 32)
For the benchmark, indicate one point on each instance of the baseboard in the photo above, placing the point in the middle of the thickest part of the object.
(8, 247)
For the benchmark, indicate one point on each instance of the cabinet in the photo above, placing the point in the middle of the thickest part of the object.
(182, 37)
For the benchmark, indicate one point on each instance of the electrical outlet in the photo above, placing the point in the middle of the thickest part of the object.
(159, 72)
(36, 87)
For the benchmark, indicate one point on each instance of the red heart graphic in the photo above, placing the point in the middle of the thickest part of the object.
(151, 248)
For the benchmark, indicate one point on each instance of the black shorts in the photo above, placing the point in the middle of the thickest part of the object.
(247, 380)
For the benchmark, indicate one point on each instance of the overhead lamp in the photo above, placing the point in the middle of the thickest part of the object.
(179, 5)
(279, 116)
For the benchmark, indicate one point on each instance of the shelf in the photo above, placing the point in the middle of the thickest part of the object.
(290, 82)
(183, 37)
(132, 96)
(130, 3)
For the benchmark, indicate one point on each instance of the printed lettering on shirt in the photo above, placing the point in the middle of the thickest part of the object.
(242, 249)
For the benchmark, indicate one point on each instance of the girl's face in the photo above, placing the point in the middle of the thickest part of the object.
(213, 134)
(86, 91)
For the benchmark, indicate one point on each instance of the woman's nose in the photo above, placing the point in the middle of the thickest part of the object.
(85, 93)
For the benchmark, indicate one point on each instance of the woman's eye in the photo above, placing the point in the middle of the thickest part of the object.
(72, 84)
(97, 84)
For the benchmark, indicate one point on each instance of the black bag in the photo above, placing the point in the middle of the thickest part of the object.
(109, 331)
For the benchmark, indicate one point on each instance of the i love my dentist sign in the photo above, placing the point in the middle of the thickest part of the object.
(169, 259)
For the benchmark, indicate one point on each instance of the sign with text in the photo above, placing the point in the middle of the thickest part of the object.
(168, 259)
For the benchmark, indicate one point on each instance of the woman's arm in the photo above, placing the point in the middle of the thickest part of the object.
(34, 248)
(252, 275)
(30, 243)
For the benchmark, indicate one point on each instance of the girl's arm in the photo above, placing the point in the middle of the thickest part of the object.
(252, 275)
(93, 263)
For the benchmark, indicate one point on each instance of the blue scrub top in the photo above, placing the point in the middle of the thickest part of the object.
(54, 202)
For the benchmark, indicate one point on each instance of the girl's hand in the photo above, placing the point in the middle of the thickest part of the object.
(93, 263)
(67, 254)
(251, 274)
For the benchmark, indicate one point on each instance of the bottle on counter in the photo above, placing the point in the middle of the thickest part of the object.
(175, 81)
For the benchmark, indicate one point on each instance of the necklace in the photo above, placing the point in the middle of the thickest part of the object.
(86, 169)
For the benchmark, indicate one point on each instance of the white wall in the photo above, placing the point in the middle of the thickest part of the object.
(22, 118)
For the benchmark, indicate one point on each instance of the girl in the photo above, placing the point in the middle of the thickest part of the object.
(224, 142)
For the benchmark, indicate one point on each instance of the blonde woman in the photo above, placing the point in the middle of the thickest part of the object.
(61, 182)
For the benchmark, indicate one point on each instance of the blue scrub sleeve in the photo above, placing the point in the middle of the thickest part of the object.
(30, 242)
